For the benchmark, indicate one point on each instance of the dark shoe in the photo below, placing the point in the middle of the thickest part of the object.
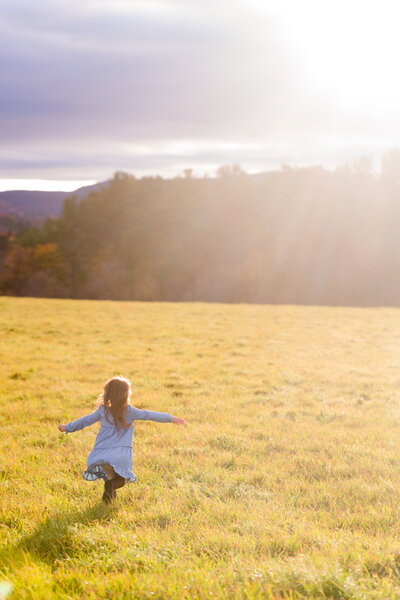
(109, 492)
(118, 482)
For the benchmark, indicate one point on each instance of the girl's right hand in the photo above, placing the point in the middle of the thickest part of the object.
(61, 428)
(178, 421)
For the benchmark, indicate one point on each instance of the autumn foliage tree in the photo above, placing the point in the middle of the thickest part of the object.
(304, 235)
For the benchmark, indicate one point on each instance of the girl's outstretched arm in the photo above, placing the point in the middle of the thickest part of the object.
(136, 414)
(81, 422)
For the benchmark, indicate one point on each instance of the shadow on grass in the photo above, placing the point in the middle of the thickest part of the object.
(55, 537)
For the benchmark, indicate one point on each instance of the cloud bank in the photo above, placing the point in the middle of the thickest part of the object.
(93, 87)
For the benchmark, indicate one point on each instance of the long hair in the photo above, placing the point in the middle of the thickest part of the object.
(115, 399)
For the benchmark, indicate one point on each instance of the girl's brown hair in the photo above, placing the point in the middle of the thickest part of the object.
(115, 399)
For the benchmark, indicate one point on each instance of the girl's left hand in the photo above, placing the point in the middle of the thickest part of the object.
(177, 421)
(61, 428)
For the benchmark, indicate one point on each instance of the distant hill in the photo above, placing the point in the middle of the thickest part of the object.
(24, 205)
(37, 204)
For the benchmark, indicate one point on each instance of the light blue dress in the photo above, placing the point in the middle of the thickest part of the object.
(113, 446)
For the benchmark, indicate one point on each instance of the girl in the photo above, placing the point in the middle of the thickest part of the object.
(111, 457)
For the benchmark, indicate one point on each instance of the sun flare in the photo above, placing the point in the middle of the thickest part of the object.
(346, 50)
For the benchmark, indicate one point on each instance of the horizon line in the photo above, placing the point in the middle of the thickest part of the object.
(72, 185)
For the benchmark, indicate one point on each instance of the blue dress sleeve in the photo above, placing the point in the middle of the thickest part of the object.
(136, 414)
(83, 421)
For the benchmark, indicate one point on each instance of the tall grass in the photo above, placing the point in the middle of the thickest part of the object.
(282, 485)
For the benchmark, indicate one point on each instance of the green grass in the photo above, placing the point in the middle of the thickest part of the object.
(284, 483)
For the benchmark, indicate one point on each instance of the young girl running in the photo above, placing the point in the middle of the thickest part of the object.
(111, 457)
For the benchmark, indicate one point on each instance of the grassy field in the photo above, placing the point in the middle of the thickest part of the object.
(283, 484)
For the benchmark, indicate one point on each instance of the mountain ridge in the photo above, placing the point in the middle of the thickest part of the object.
(37, 204)
(31, 204)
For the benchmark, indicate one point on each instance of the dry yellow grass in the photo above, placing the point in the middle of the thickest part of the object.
(283, 484)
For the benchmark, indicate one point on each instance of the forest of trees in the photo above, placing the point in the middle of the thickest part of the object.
(306, 236)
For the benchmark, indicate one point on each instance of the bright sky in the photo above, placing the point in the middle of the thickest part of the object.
(43, 185)
(159, 86)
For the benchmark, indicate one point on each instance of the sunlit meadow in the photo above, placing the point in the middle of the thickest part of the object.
(284, 482)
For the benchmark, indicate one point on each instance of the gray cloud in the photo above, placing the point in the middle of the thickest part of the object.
(85, 85)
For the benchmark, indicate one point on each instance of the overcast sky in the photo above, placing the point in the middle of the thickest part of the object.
(95, 86)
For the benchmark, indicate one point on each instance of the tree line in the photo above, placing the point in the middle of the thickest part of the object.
(297, 235)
